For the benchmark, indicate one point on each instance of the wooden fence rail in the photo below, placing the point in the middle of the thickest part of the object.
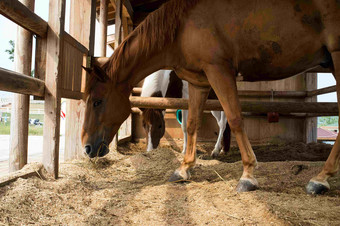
(247, 106)
(20, 14)
(18, 83)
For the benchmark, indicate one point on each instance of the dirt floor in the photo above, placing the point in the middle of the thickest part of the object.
(130, 187)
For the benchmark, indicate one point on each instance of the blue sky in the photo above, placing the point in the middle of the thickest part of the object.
(9, 29)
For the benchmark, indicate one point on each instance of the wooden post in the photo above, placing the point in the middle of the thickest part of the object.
(311, 123)
(103, 27)
(82, 26)
(20, 105)
(118, 23)
(56, 22)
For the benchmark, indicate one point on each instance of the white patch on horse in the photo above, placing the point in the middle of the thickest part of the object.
(150, 146)
(155, 82)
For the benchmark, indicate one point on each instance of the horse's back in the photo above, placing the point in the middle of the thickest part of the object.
(263, 40)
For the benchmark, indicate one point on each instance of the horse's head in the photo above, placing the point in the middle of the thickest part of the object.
(154, 127)
(107, 107)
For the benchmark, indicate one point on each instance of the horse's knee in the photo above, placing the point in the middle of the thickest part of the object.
(191, 127)
(236, 124)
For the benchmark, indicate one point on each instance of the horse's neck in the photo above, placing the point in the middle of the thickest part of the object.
(138, 65)
(155, 82)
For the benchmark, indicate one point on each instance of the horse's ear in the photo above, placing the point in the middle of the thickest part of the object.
(88, 70)
(100, 73)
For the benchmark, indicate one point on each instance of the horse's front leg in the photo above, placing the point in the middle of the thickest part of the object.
(223, 80)
(197, 98)
(184, 129)
(319, 184)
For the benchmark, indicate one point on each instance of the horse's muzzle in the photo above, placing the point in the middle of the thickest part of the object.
(98, 151)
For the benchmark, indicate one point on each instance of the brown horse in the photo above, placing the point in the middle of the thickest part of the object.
(208, 43)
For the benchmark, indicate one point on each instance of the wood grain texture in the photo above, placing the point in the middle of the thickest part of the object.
(103, 27)
(19, 83)
(247, 106)
(20, 14)
(20, 106)
(52, 97)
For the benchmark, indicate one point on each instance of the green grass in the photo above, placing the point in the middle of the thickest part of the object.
(33, 130)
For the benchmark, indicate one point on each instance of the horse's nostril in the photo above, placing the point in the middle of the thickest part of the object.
(88, 149)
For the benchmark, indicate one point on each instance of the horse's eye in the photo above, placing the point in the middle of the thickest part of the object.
(160, 126)
(97, 103)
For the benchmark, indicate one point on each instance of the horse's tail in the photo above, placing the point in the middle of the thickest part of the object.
(226, 138)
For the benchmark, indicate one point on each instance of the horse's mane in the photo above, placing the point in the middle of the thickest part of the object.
(157, 30)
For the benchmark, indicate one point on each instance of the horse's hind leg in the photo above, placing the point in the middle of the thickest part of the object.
(221, 122)
(197, 98)
(223, 81)
(319, 184)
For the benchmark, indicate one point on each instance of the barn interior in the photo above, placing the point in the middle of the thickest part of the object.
(129, 185)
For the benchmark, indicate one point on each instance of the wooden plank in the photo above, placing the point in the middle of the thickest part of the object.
(103, 27)
(30, 170)
(125, 27)
(19, 83)
(76, 44)
(129, 8)
(118, 23)
(252, 93)
(40, 61)
(91, 35)
(20, 106)
(23, 16)
(55, 33)
(82, 26)
(71, 94)
(325, 90)
(311, 123)
(247, 106)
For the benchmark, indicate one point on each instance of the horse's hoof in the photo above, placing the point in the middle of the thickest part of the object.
(178, 177)
(215, 153)
(316, 188)
(245, 185)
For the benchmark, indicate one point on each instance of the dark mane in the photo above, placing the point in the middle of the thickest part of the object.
(157, 30)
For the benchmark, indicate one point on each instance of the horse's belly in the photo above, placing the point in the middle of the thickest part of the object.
(259, 69)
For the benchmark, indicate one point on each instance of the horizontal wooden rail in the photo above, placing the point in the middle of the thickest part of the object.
(72, 41)
(254, 93)
(247, 106)
(21, 15)
(18, 83)
(325, 90)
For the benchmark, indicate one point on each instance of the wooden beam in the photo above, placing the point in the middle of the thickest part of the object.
(118, 23)
(247, 106)
(30, 170)
(103, 27)
(40, 59)
(128, 6)
(255, 94)
(20, 106)
(92, 31)
(19, 83)
(325, 90)
(72, 41)
(55, 33)
(20, 14)
(311, 123)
